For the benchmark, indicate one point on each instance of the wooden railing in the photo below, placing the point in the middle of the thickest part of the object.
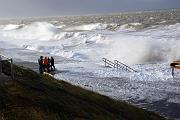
(118, 65)
(10, 60)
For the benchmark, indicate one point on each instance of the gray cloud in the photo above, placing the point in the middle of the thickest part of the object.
(20, 8)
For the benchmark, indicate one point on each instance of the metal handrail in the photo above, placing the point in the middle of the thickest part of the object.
(108, 63)
(117, 64)
(120, 64)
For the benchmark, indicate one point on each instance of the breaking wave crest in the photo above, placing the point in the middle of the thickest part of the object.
(88, 27)
(157, 44)
(153, 45)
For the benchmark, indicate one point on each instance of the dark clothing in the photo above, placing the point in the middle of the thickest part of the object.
(40, 61)
(52, 63)
(173, 64)
(46, 64)
(173, 71)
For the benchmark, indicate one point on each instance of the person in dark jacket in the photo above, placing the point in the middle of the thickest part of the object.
(52, 64)
(49, 65)
(40, 61)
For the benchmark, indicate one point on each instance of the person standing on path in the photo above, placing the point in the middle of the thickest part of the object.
(46, 63)
(40, 61)
(52, 64)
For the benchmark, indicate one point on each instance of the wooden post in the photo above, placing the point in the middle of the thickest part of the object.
(0, 65)
(12, 71)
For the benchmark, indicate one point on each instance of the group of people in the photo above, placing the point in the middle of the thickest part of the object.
(46, 64)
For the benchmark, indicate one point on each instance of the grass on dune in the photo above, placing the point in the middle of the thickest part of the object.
(32, 96)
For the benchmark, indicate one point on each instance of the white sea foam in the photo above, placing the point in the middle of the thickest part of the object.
(148, 51)
(11, 26)
(152, 45)
(130, 26)
(34, 31)
(97, 26)
(61, 26)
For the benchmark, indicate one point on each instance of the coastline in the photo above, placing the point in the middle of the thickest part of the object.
(32, 92)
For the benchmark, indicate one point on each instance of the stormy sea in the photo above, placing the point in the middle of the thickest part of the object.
(146, 41)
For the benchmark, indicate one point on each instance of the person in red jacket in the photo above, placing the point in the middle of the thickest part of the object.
(46, 64)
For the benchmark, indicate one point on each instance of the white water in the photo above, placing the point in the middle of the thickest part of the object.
(149, 51)
(151, 45)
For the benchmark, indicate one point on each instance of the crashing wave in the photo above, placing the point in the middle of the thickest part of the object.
(148, 45)
(88, 27)
(131, 26)
(63, 35)
(61, 26)
(36, 31)
(127, 27)
(11, 27)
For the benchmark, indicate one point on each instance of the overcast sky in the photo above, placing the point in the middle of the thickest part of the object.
(28, 8)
